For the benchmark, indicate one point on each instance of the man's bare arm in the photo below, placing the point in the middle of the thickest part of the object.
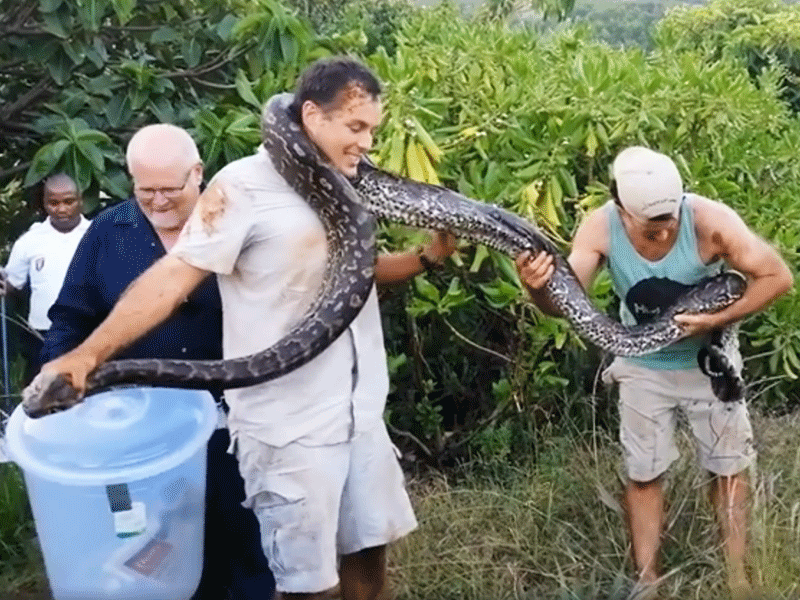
(400, 267)
(729, 238)
(589, 248)
(149, 301)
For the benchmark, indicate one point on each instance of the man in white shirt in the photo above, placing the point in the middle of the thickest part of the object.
(41, 256)
(320, 471)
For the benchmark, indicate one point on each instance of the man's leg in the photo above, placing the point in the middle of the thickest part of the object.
(363, 574)
(647, 424)
(729, 496)
(724, 439)
(295, 493)
(644, 503)
(375, 512)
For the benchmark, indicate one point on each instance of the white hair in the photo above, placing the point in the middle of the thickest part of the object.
(164, 142)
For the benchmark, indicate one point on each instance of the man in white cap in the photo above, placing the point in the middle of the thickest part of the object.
(656, 242)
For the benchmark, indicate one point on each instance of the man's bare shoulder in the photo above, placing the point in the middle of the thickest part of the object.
(712, 215)
(592, 234)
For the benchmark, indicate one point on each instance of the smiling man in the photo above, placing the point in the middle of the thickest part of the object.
(320, 471)
(41, 257)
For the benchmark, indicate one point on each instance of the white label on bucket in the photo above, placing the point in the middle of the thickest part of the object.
(128, 523)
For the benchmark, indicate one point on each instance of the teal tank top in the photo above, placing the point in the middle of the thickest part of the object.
(646, 288)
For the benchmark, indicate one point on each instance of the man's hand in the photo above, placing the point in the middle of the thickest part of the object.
(697, 324)
(75, 366)
(442, 245)
(536, 271)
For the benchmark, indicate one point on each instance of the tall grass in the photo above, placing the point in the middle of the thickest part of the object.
(554, 528)
(548, 525)
(20, 558)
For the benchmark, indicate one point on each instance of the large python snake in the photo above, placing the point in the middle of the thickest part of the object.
(347, 210)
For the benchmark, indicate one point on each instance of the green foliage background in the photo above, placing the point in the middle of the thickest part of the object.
(525, 119)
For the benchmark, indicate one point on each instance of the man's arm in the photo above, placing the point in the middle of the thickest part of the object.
(399, 267)
(725, 235)
(149, 301)
(15, 275)
(589, 248)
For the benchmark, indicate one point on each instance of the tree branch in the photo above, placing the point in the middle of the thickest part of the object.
(17, 127)
(40, 88)
(207, 67)
(5, 174)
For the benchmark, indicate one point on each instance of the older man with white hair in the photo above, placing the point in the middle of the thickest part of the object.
(123, 242)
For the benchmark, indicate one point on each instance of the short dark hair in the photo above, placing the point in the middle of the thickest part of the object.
(323, 80)
(36, 192)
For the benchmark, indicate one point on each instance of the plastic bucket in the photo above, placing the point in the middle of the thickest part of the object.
(117, 489)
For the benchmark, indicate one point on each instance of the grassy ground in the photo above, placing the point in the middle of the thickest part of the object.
(554, 529)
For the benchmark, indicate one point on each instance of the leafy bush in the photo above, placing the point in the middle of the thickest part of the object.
(504, 115)
(532, 123)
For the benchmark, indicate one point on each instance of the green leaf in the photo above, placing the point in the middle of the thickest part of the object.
(164, 34)
(192, 52)
(225, 27)
(245, 90)
(289, 48)
(60, 67)
(91, 13)
(481, 253)
(75, 50)
(507, 267)
(56, 25)
(123, 9)
(118, 110)
(93, 154)
(45, 161)
(499, 293)
(163, 110)
(426, 289)
(80, 168)
(94, 136)
(48, 6)
(117, 184)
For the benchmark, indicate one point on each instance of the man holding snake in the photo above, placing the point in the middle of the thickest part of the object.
(320, 471)
(656, 241)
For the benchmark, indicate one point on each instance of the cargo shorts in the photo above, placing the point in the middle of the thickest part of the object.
(649, 402)
(316, 503)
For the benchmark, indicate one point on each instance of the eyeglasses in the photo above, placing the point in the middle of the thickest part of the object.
(168, 192)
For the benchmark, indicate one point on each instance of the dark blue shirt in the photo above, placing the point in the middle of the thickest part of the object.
(119, 246)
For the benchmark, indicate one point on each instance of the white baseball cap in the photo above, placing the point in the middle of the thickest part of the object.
(648, 182)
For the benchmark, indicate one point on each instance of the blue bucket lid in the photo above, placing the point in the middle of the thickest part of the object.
(124, 434)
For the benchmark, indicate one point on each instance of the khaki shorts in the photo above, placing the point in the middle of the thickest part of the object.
(315, 503)
(649, 400)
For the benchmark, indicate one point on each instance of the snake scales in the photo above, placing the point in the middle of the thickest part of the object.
(347, 210)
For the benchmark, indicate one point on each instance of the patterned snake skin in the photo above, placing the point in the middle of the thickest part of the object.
(347, 210)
